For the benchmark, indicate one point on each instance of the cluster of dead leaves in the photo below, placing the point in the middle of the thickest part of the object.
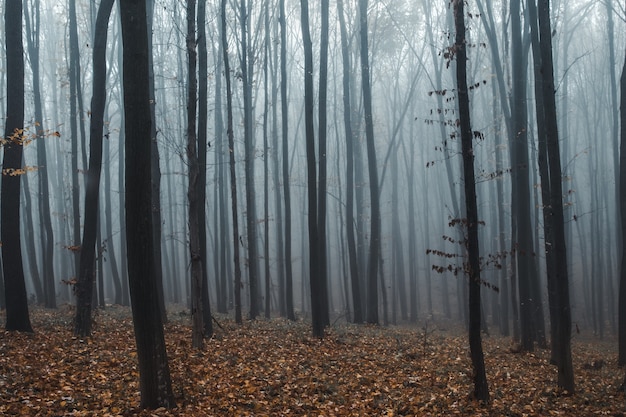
(275, 368)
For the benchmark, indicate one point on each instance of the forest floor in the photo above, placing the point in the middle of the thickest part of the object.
(275, 368)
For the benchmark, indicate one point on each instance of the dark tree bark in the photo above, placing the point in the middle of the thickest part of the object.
(347, 121)
(203, 86)
(154, 376)
(246, 76)
(375, 232)
(561, 279)
(12, 267)
(481, 390)
(266, 158)
(622, 202)
(156, 173)
(317, 303)
(233, 174)
(75, 113)
(197, 318)
(275, 152)
(520, 176)
(285, 167)
(46, 233)
(86, 276)
(222, 147)
(322, 161)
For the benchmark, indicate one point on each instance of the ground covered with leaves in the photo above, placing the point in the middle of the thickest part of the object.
(275, 368)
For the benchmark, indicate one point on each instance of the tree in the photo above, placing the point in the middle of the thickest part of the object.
(322, 182)
(347, 110)
(560, 279)
(231, 153)
(76, 112)
(247, 81)
(86, 276)
(285, 166)
(316, 267)
(12, 267)
(622, 206)
(203, 83)
(156, 171)
(192, 193)
(481, 390)
(154, 376)
(375, 227)
(521, 188)
(47, 235)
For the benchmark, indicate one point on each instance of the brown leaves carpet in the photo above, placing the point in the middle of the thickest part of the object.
(275, 368)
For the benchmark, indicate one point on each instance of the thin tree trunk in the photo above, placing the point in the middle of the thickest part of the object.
(246, 76)
(481, 390)
(561, 277)
(203, 86)
(86, 276)
(285, 171)
(233, 174)
(375, 232)
(347, 121)
(46, 233)
(315, 266)
(197, 318)
(156, 173)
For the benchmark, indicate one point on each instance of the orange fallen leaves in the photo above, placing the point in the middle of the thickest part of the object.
(274, 368)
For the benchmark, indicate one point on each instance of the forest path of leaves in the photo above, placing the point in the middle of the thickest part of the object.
(275, 368)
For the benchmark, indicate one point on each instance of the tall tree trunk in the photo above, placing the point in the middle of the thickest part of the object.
(621, 317)
(47, 235)
(347, 121)
(280, 241)
(285, 171)
(561, 277)
(266, 157)
(481, 390)
(154, 377)
(322, 161)
(192, 193)
(233, 174)
(17, 315)
(523, 247)
(203, 86)
(221, 147)
(375, 232)
(246, 76)
(73, 79)
(156, 173)
(86, 276)
(317, 304)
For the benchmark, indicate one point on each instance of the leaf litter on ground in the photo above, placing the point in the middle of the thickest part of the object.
(276, 368)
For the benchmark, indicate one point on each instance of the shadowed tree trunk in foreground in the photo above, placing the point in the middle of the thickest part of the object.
(12, 267)
(154, 375)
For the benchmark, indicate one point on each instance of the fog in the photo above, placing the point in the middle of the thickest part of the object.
(417, 148)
